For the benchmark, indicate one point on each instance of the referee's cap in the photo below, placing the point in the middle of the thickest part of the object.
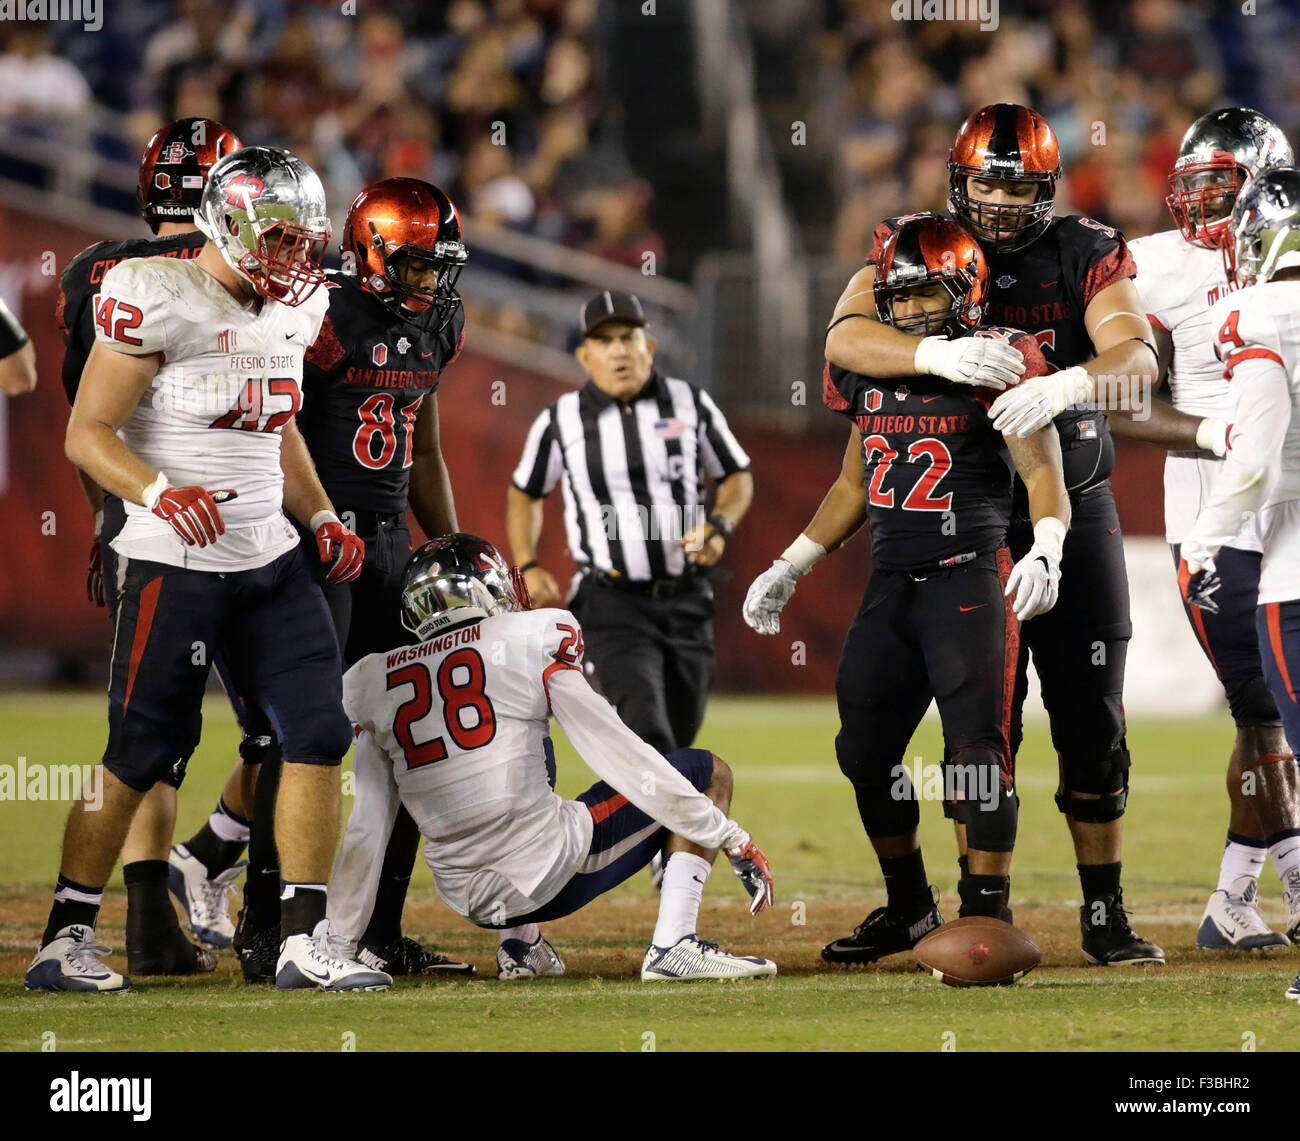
(610, 305)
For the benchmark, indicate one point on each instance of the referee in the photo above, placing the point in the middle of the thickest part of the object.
(634, 447)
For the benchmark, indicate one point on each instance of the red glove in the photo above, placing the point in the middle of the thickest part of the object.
(749, 863)
(95, 574)
(192, 513)
(335, 542)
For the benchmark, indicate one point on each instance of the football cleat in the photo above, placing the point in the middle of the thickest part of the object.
(1108, 940)
(1291, 893)
(169, 953)
(1232, 921)
(693, 958)
(1293, 991)
(205, 901)
(71, 961)
(883, 932)
(306, 964)
(258, 949)
(406, 957)
(519, 960)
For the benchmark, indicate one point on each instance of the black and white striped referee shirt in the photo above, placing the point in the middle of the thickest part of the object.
(633, 472)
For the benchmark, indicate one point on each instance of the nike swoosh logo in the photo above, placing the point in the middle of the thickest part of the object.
(1283, 855)
(1048, 284)
(927, 399)
(1112, 530)
(323, 977)
(995, 891)
(290, 336)
(426, 356)
(965, 609)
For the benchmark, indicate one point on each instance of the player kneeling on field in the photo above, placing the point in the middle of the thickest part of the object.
(456, 730)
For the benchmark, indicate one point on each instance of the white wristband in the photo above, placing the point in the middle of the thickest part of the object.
(320, 519)
(1049, 533)
(99, 522)
(151, 494)
(1212, 436)
(803, 553)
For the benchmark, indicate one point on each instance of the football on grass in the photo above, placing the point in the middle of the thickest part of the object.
(977, 951)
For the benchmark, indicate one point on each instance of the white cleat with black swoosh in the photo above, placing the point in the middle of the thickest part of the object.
(1232, 921)
(306, 964)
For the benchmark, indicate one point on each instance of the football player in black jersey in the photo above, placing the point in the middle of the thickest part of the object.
(370, 419)
(173, 172)
(1068, 282)
(942, 613)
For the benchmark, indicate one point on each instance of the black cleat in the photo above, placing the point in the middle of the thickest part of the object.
(258, 949)
(1108, 940)
(406, 957)
(883, 932)
(169, 954)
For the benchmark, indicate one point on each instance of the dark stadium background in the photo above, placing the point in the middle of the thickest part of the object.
(723, 158)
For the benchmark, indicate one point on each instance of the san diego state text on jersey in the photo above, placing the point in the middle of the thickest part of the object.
(364, 381)
(937, 475)
(80, 284)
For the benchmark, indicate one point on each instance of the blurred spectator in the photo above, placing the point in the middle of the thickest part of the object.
(36, 85)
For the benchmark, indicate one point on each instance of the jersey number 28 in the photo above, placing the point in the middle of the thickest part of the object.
(460, 679)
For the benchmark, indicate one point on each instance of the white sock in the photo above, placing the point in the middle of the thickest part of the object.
(528, 932)
(1239, 860)
(227, 827)
(1286, 858)
(679, 897)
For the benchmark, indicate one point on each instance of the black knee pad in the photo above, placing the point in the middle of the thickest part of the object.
(142, 757)
(981, 801)
(885, 814)
(320, 738)
(1251, 703)
(886, 801)
(1105, 778)
(259, 750)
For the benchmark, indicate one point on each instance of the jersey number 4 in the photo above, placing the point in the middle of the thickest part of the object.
(460, 678)
(375, 442)
(921, 497)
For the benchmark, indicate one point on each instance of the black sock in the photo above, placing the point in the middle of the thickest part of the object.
(905, 882)
(983, 895)
(66, 912)
(304, 908)
(150, 916)
(963, 865)
(211, 850)
(262, 882)
(385, 924)
(1099, 879)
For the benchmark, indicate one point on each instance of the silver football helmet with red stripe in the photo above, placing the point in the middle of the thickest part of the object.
(456, 577)
(1265, 227)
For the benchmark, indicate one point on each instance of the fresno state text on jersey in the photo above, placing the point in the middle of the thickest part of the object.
(365, 379)
(937, 475)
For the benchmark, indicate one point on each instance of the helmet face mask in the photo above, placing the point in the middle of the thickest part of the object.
(397, 229)
(1007, 144)
(264, 209)
(1219, 155)
(456, 578)
(925, 252)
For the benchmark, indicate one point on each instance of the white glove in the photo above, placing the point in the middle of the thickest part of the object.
(985, 362)
(1034, 580)
(1212, 436)
(768, 595)
(1031, 406)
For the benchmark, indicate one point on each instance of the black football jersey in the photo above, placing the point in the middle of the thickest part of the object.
(1044, 290)
(79, 286)
(364, 380)
(938, 476)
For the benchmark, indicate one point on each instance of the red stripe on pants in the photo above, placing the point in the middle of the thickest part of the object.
(1010, 664)
(1275, 642)
(143, 624)
(606, 808)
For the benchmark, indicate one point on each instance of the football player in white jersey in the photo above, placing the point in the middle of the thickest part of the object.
(456, 728)
(1181, 276)
(187, 402)
(1257, 334)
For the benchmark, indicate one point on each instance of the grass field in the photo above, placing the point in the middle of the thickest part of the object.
(790, 794)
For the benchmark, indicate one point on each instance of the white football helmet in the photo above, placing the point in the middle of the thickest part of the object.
(264, 209)
(1265, 233)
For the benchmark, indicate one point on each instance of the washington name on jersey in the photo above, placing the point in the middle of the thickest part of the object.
(365, 379)
(1180, 283)
(938, 476)
(230, 378)
(80, 283)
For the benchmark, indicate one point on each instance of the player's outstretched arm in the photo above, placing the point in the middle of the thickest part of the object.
(111, 386)
(841, 514)
(1035, 579)
(431, 498)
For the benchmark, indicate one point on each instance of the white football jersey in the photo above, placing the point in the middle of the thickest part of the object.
(229, 381)
(457, 728)
(1259, 339)
(1179, 284)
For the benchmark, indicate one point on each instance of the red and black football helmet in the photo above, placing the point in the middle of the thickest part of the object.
(174, 168)
(1005, 142)
(927, 248)
(396, 220)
